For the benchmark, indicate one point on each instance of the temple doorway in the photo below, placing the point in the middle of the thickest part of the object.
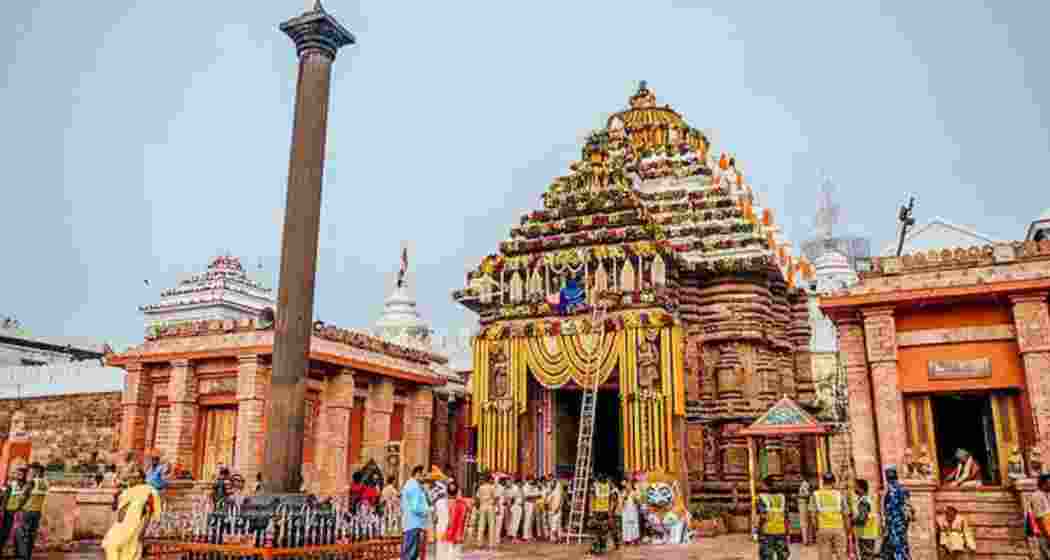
(608, 439)
(966, 421)
(219, 427)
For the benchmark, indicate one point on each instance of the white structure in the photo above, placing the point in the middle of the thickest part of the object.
(59, 379)
(1039, 229)
(401, 323)
(224, 291)
(832, 273)
(938, 233)
(20, 348)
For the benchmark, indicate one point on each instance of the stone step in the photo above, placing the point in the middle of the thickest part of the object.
(1016, 547)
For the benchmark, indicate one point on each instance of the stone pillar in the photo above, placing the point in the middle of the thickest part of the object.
(861, 412)
(922, 533)
(138, 391)
(182, 394)
(317, 36)
(1033, 338)
(439, 445)
(252, 386)
(416, 445)
(880, 334)
(378, 408)
(333, 445)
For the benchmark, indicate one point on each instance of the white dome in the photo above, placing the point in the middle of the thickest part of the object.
(400, 317)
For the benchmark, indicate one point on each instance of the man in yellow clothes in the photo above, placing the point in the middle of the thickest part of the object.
(831, 510)
(772, 523)
(955, 537)
(135, 507)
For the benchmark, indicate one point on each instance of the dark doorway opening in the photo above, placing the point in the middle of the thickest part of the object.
(966, 422)
(607, 457)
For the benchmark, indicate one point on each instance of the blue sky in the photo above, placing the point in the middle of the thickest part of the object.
(140, 138)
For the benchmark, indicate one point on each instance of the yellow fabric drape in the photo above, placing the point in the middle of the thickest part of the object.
(554, 360)
(646, 419)
(678, 369)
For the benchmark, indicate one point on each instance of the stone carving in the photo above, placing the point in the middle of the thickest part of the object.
(220, 385)
(709, 356)
(710, 449)
(881, 336)
(1015, 464)
(1035, 460)
(696, 448)
(649, 360)
(745, 371)
(918, 467)
(1033, 325)
(498, 365)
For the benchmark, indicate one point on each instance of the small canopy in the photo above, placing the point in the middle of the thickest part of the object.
(785, 417)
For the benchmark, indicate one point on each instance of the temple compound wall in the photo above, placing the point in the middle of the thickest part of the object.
(652, 266)
(65, 431)
(949, 350)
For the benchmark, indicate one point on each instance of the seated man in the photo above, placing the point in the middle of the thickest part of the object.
(967, 471)
(955, 539)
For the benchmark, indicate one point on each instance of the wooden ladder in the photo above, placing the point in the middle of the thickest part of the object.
(584, 451)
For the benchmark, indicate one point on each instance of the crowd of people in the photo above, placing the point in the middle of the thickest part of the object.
(851, 527)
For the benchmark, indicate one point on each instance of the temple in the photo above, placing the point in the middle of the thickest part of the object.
(196, 388)
(706, 325)
(947, 357)
(223, 291)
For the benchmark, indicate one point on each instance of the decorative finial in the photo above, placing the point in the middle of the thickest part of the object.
(314, 6)
(642, 86)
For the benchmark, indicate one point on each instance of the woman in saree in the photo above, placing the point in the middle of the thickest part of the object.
(136, 506)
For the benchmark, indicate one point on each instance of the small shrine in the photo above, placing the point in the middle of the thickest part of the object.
(706, 326)
(765, 447)
(196, 389)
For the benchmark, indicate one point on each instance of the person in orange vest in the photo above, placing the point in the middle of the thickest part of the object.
(772, 523)
(865, 521)
(831, 511)
(1040, 508)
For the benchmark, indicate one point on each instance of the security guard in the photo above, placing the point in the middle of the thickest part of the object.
(832, 513)
(772, 523)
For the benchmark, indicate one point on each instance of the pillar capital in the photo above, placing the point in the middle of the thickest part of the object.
(317, 31)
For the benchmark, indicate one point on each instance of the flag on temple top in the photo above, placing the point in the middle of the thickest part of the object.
(404, 267)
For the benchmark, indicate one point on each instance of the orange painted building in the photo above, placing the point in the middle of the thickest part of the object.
(949, 350)
(196, 392)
